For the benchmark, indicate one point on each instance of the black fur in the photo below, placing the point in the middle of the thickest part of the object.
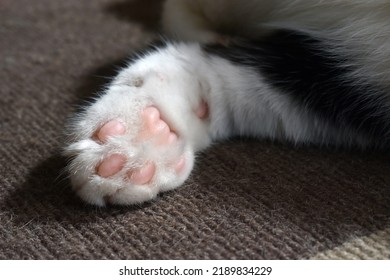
(315, 77)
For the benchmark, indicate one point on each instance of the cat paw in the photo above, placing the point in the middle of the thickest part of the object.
(140, 136)
(156, 133)
(126, 162)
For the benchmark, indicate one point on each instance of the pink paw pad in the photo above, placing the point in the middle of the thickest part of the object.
(203, 110)
(111, 129)
(155, 128)
(179, 165)
(111, 165)
(142, 175)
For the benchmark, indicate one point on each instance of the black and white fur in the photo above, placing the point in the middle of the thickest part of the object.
(307, 72)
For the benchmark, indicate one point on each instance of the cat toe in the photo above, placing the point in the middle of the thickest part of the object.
(110, 129)
(143, 175)
(111, 165)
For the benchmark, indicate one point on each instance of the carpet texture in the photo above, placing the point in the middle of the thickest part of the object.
(246, 199)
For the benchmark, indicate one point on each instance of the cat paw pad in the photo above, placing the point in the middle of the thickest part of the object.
(132, 163)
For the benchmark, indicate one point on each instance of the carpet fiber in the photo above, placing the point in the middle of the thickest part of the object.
(246, 199)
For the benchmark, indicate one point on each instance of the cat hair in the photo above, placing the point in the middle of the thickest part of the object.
(305, 72)
(338, 49)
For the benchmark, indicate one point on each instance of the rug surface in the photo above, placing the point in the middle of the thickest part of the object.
(246, 199)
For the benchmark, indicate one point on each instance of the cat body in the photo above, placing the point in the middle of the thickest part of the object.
(306, 72)
(358, 29)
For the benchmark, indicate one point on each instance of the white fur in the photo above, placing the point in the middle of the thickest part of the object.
(176, 79)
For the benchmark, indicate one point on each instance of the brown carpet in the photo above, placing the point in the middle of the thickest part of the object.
(246, 199)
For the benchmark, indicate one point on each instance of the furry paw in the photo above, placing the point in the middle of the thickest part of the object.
(138, 139)
(126, 163)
